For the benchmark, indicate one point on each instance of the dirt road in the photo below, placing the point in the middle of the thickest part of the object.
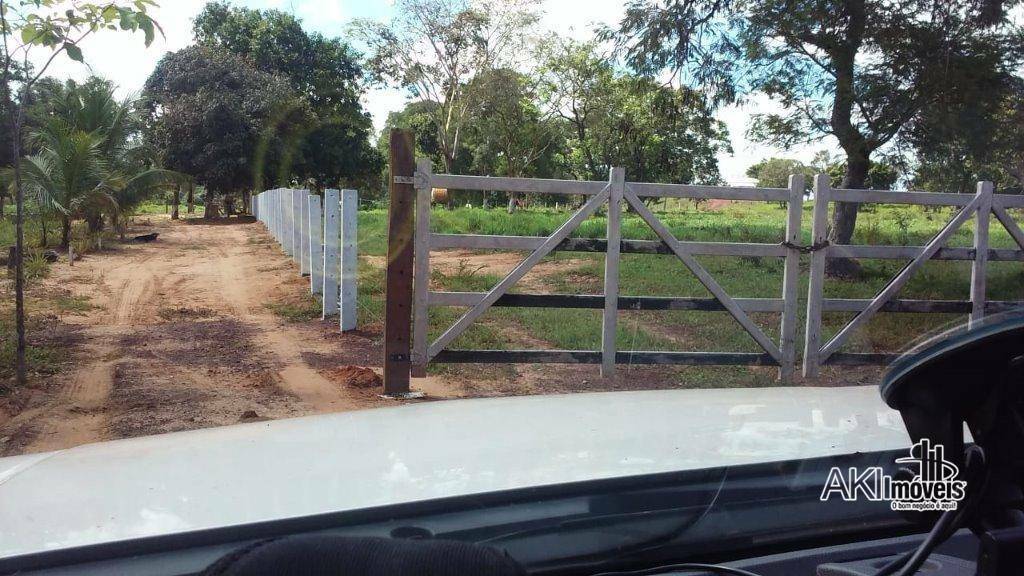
(179, 337)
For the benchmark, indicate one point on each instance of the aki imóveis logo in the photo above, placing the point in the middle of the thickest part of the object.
(934, 486)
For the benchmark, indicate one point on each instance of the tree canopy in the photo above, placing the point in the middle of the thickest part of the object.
(325, 72)
(211, 114)
(857, 70)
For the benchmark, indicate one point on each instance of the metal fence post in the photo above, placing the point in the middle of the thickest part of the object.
(332, 267)
(791, 279)
(980, 265)
(398, 277)
(816, 282)
(316, 245)
(421, 269)
(617, 186)
(349, 260)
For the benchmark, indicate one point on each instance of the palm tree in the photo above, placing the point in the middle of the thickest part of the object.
(85, 165)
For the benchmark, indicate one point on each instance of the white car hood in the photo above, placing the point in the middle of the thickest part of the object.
(270, 470)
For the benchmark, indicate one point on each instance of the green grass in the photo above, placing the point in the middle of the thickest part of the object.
(656, 275)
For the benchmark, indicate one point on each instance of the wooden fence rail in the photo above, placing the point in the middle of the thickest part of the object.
(320, 236)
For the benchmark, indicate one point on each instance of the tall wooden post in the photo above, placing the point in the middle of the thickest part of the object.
(791, 280)
(398, 278)
(980, 265)
(609, 324)
(816, 282)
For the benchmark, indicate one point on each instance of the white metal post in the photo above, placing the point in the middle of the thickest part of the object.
(791, 279)
(316, 246)
(816, 282)
(980, 264)
(332, 268)
(617, 182)
(349, 259)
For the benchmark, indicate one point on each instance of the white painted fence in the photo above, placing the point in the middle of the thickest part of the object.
(320, 236)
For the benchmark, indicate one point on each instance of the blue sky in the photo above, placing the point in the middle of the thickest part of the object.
(127, 62)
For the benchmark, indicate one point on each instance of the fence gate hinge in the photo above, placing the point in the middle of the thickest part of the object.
(404, 180)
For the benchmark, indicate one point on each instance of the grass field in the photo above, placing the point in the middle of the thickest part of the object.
(657, 275)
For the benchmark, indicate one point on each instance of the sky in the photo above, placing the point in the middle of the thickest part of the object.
(127, 62)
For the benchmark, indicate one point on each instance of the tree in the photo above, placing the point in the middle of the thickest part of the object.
(435, 47)
(58, 28)
(659, 133)
(81, 165)
(325, 72)
(969, 136)
(212, 115)
(856, 70)
(775, 172)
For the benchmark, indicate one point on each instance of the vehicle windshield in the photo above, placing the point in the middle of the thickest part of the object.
(410, 252)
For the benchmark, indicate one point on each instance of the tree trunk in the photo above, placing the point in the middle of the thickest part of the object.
(191, 198)
(177, 201)
(844, 217)
(19, 242)
(246, 195)
(511, 202)
(65, 232)
(2, 198)
(43, 240)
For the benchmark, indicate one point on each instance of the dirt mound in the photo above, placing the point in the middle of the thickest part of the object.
(354, 376)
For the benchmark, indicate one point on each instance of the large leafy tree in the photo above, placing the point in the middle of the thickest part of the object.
(657, 132)
(335, 147)
(435, 48)
(855, 70)
(212, 115)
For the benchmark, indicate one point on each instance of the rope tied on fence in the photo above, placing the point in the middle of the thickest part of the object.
(805, 249)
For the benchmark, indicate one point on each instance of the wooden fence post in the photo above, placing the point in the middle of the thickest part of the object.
(980, 265)
(816, 282)
(332, 266)
(617, 186)
(316, 246)
(349, 259)
(421, 269)
(791, 279)
(398, 281)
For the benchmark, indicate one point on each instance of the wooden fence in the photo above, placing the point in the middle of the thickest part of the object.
(980, 206)
(320, 235)
(615, 194)
(410, 242)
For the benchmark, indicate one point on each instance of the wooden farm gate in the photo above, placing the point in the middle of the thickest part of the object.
(614, 194)
(981, 206)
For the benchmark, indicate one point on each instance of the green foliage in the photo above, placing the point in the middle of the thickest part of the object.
(82, 163)
(212, 115)
(435, 48)
(775, 172)
(333, 150)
